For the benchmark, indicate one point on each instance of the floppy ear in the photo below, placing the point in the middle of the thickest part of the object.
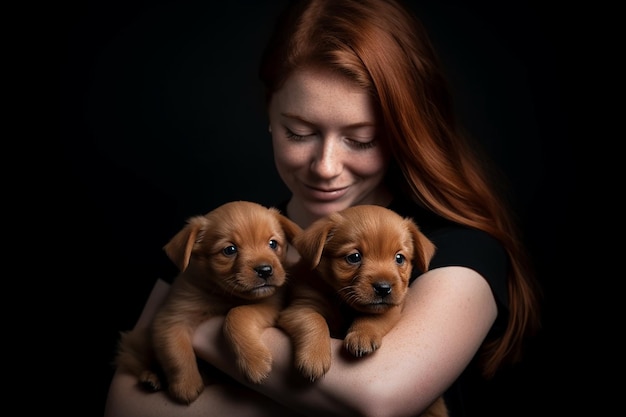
(179, 248)
(290, 228)
(423, 248)
(310, 243)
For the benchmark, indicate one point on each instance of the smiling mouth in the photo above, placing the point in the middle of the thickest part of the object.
(322, 190)
(325, 194)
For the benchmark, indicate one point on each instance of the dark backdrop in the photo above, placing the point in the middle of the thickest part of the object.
(161, 118)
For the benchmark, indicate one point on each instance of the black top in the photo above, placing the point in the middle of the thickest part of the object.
(461, 246)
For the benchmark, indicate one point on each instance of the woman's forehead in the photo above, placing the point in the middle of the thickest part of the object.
(316, 95)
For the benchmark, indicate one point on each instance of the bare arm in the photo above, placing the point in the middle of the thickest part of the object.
(125, 398)
(448, 314)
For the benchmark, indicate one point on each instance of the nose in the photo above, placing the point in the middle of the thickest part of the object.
(382, 289)
(327, 161)
(264, 271)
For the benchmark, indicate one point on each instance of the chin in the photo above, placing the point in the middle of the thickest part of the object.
(319, 210)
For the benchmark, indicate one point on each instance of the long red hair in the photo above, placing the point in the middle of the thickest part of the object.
(384, 48)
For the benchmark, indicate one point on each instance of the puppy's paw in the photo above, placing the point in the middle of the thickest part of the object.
(361, 344)
(256, 365)
(150, 381)
(186, 390)
(313, 365)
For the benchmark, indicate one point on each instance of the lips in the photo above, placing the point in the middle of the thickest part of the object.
(326, 194)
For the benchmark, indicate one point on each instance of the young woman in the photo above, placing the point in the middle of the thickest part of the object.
(359, 113)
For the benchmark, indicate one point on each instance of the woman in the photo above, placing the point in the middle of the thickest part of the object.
(359, 113)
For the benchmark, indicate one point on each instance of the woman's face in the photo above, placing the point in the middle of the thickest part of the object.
(326, 147)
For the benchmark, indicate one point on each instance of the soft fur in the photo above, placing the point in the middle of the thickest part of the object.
(232, 263)
(351, 282)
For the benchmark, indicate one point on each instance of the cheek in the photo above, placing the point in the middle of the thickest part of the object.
(373, 164)
(287, 156)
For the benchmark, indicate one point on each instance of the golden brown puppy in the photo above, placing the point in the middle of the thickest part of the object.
(351, 280)
(232, 263)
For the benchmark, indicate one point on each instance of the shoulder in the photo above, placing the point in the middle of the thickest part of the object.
(458, 245)
(463, 246)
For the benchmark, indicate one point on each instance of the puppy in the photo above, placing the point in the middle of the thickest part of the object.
(232, 263)
(351, 280)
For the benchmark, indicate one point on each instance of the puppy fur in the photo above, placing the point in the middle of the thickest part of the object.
(232, 262)
(351, 282)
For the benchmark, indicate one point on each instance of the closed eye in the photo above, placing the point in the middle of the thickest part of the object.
(353, 143)
(361, 145)
(294, 136)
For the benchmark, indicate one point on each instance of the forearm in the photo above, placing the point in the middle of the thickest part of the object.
(284, 384)
(443, 325)
(126, 398)
(338, 393)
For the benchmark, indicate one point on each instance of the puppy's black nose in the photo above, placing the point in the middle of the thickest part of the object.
(264, 271)
(382, 288)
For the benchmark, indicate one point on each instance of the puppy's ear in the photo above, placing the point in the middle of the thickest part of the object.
(290, 228)
(310, 243)
(423, 248)
(179, 248)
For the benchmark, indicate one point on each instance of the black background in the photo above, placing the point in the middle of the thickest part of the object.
(161, 117)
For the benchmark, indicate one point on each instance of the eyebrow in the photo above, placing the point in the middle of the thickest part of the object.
(352, 126)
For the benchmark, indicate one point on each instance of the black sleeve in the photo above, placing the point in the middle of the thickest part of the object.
(459, 245)
(475, 249)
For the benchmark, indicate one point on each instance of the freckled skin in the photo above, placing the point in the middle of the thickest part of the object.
(335, 159)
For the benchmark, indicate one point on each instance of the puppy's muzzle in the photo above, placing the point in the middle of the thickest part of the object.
(264, 271)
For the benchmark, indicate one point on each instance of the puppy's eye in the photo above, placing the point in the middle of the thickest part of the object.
(273, 244)
(230, 250)
(400, 259)
(354, 258)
